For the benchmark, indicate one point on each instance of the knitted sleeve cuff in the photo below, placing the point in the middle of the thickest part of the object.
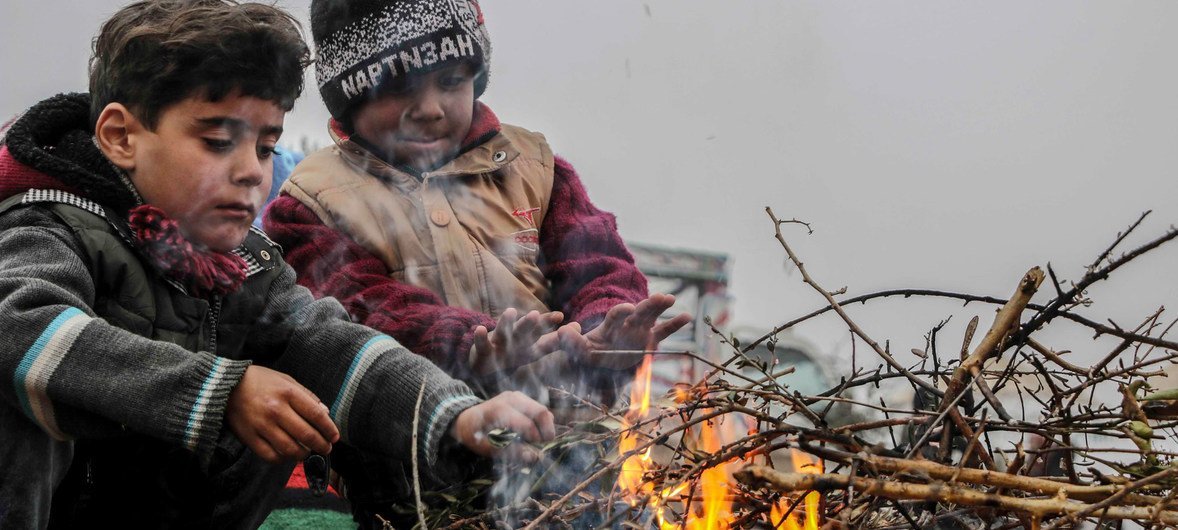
(199, 410)
(435, 425)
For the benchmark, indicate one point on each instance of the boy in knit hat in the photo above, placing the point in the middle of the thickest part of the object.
(164, 369)
(429, 219)
(464, 238)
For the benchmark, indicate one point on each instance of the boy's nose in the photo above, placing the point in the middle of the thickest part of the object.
(427, 106)
(248, 168)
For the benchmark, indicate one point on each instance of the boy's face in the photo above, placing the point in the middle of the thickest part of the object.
(209, 165)
(422, 120)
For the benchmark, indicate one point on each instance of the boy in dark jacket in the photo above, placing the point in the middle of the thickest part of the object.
(164, 368)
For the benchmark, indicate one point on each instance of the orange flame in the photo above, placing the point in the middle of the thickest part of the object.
(714, 486)
(778, 517)
(803, 463)
(630, 480)
(640, 392)
(717, 509)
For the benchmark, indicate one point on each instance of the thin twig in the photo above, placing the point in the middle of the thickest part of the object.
(413, 460)
(838, 309)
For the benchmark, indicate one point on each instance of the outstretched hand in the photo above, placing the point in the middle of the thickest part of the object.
(511, 412)
(633, 328)
(278, 418)
(517, 341)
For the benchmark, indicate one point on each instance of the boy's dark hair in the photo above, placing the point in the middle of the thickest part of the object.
(154, 53)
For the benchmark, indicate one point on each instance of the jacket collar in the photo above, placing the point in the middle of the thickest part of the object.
(484, 150)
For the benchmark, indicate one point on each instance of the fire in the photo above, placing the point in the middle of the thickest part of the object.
(803, 463)
(717, 509)
(630, 480)
(706, 504)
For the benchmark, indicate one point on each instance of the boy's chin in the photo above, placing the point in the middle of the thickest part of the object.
(224, 241)
(423, 162)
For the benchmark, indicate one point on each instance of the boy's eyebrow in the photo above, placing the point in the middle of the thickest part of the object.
(235, 124)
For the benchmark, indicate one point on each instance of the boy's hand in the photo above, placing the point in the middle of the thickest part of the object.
(517, 341)
(630, 327)
(510, 411)
(278, 418)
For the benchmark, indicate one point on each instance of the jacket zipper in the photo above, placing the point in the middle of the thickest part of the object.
(214, 314)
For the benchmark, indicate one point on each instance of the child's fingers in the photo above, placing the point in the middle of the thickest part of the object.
(663, 300)
(546, 344)
(319, 431)
(546, 423)
(280, 440)
(540, 417)
(262, 448)
(298, 439)
(511, 411)
(571, 339)
(552, 319)
(567, 337)
(647, 312)
(504, 329)
(311, 412)
(529, 418)
(522, 414)
(547, 322)
(507, 320)
(616, 316)
(527, 328)
(482, 359)
(665, 329)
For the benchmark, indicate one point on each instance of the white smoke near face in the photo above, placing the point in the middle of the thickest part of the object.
(503, 240)
(575, 392)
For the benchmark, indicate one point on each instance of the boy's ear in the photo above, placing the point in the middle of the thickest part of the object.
(116, 132)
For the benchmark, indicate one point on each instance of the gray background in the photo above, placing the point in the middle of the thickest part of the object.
(932, 144)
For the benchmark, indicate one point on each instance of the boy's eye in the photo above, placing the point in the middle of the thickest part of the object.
(452, 81)
(398, 87)
(218, 144)
(266, 151)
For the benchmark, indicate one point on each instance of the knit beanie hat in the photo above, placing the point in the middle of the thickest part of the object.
(362, 44)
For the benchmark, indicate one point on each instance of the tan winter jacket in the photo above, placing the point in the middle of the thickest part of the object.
(468, 231)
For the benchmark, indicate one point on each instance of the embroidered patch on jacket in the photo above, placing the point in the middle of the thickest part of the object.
(528, 239)
(527, 213)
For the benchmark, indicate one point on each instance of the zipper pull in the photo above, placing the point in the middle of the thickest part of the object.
(317, 468)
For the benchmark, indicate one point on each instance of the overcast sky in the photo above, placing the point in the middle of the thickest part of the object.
(931, 144)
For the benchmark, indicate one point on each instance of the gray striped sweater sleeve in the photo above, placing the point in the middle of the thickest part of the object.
(76, 376)
(369, 381)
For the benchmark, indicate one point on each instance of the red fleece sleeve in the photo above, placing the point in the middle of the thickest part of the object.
(330, 263)
(583, 255)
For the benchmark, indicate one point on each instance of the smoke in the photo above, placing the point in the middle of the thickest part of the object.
(472, 241)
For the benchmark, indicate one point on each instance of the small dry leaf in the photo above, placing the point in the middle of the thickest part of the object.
(500, 438)
(969, 331)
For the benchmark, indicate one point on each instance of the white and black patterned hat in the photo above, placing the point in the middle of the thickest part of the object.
(362, 44)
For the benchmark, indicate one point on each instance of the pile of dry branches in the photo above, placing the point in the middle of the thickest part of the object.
(1003, 432)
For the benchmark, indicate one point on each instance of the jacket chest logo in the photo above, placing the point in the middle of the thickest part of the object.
(527, 213)
(528, 238)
